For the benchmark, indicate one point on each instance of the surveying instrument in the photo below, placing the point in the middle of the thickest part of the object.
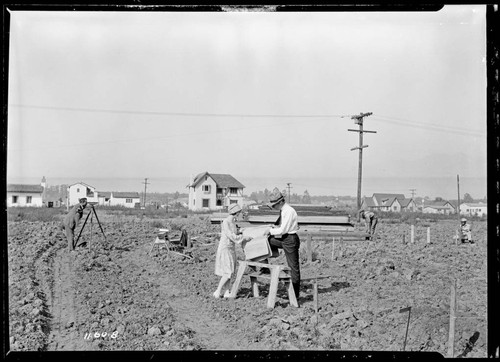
(91, 214)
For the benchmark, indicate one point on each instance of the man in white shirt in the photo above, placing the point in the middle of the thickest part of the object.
(284, 235)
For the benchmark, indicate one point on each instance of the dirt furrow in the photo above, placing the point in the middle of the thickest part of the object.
(63, 330)
(209, 333)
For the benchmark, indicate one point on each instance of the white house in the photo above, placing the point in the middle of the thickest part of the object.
(438, 207)
(474, 209)
(24, 195)
(209, 191)
(78, 190)
(388, 202)
(127, 199)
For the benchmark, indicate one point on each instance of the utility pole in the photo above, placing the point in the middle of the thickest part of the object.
(289, 187)
(413, 193)
(145, 186)
(359, 121)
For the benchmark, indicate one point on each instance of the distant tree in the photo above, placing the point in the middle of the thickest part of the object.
(176, 195)
(306, 198)
(468, 198)
(254, 196)
(438, 199)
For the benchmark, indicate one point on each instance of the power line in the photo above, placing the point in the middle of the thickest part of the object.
(182, 114)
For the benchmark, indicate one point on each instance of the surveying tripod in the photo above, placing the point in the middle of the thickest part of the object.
(91, 214)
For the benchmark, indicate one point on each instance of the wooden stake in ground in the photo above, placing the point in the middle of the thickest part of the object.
(428, 235)
(451, 337)
(309, 248)
(407, 324)
(412, 234)
(333, 247)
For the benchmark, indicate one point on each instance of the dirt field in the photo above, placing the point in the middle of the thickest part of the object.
(114, 295)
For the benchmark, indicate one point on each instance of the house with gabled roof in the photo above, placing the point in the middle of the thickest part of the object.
(80, 190)
(389, 202)
(438, 207)
(24, 195)
(126, 199)
(211, 191)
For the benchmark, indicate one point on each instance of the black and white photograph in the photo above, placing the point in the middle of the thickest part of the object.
(247, 179)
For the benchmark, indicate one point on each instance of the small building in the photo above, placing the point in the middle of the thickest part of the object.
(24, 195)
(208, 191)
(104, 198)
(79, 190)
(126, 199)
(474, 209)
(438, 207)
(435, 209)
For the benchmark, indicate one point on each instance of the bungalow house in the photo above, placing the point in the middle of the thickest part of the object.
(24, 195)
(438, 207)
(78, 190)
(390, 202)
(474, 209)
(210, 191)
(127, 199)
(435, 209)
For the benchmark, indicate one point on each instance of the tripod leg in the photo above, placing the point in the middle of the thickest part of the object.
(81, 230)
(98, 222)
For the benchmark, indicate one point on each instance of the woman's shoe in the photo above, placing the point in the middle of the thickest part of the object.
(227, 294)
(216, 294)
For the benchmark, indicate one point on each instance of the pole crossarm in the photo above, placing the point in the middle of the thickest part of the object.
(361, 131)
(358, 148)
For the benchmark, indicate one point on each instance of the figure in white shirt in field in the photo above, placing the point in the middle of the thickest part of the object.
(284, 235)
(465, 231)
(225, 259)
(370, 220)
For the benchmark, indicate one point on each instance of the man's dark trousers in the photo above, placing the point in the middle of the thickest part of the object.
(290, 243)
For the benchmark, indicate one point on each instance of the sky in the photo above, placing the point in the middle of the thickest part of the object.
(251, 94)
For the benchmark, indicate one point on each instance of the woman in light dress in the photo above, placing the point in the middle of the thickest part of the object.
(225, 260)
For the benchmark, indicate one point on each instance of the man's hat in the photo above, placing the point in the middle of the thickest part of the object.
(234, 209)
(82, 200)
(275, 197)
(463, 219)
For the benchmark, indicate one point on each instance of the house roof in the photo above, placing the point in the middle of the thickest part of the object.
(388, 196)
(438, 203)
(104, 193)
(24, 188)
(405, 202)
(222, 180)
(437, 207)
(125, 195)
(82, 183)
(369, 202)
(475, 204)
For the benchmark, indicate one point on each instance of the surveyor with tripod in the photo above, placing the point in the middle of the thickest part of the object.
(71, 220)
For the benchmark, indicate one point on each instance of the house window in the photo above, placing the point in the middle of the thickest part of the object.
(206, 189)
(77, 189)
(14, 199)
(233, 190)
(233, 202)
(395, 208)
(28, 199)
(206, 203)
(128, 201)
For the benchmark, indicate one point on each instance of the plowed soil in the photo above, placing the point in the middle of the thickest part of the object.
(117, 293)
